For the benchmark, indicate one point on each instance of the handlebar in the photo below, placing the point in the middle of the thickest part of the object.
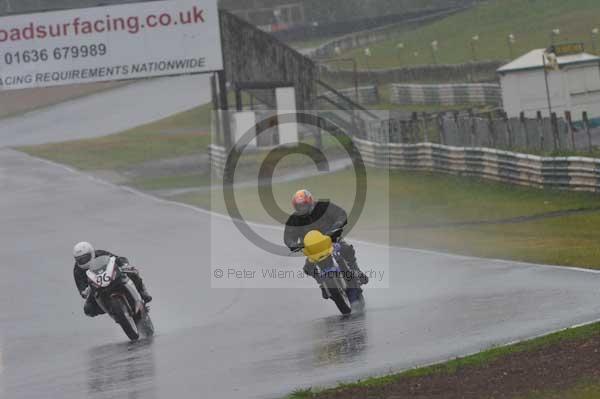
(334, 234)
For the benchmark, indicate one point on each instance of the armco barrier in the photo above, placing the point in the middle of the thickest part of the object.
(446, 94)
(567, 173)
(473, 72)
(218, 156)
(367, 95)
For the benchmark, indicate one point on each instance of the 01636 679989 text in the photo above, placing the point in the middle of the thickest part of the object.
(56, 53)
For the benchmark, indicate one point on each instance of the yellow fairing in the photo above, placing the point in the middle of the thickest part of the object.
(317, 246)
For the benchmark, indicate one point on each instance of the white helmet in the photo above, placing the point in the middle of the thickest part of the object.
(84, 254)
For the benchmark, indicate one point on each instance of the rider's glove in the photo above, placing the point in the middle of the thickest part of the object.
(334, 231)
(85, 293)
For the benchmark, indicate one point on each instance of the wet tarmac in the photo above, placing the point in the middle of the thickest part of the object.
(238, 342)
(107, 112)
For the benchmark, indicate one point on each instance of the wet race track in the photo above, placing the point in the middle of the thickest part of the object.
(239, 342)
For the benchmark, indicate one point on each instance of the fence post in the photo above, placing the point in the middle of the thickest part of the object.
(524, 128)
(570, 129)
(425, 127)
(554, 125)
(414, 128)
(377, 96)
(540, 127)
(441, 127)
(509, 132)
(473, 128)
(492, 130)
(458, 131)
(588, 131)
(403, 131)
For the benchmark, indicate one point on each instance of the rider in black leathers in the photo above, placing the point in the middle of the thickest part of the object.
(325, 217)
(91, 308)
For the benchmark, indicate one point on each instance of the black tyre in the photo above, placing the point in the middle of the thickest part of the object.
(124, 319)
(359, 303)
(145, 324)
(341, 301)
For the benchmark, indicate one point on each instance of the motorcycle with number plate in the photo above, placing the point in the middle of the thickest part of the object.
(116, 294)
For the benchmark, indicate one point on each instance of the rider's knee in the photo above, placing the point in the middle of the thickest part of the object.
(309, 269)
(348, 252)
(90, 310)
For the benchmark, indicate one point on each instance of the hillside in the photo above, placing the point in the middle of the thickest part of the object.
(342, 10)
(530, 21)
(316, 10)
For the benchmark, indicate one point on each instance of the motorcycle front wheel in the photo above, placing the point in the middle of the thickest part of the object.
(145, 324)
(121, 314)
(341, 301)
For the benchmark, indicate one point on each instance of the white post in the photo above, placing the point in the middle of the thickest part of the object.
(286, 104)
(245, 122)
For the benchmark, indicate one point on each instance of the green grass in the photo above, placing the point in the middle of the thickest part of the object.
(311, 43)
(399, 201)
(182, 134)
(567, 241)
(171, 182)
(531, 21)
(422, 198)
(477, 360)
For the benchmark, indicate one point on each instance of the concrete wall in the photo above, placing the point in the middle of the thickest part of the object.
(568, 173)
(251, 55)
(448, 94)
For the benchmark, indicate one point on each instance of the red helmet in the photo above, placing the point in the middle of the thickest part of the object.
(303, 202)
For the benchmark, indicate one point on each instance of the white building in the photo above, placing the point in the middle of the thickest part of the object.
(573, 86)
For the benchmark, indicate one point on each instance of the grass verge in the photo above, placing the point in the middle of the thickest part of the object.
(171, 182)
(530, 21)
(379, 387)
(450, 213)
(179, 135)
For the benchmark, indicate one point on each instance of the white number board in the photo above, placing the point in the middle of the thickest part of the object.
(96, 44)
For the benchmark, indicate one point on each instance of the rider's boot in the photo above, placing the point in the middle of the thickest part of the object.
(324, 293)
(349, 255)
(362, 278)
(144, 293)
(141, 287)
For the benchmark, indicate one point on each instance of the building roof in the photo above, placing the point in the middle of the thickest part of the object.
(533, 60)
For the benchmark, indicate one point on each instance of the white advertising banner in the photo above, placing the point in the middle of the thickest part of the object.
(130, 41)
